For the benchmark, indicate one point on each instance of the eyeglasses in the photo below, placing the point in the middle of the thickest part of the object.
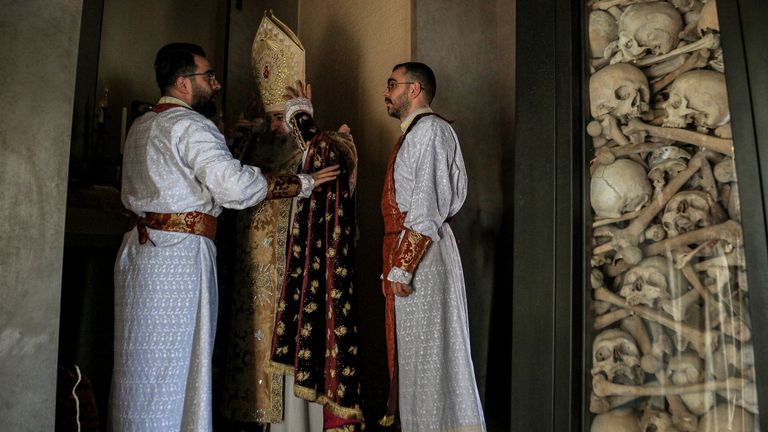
(391, 84)
(211, 75)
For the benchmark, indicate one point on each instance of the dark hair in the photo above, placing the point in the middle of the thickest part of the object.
(173, 60)
(423, 75)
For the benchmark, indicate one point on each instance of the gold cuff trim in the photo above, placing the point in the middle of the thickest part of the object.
(282, 186)
(411, 250)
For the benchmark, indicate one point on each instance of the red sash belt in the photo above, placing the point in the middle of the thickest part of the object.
(191, 223)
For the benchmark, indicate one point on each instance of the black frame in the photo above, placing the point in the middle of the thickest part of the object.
(550, 244)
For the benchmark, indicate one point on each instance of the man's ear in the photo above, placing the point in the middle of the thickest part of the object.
(415, 90)
(182, 85)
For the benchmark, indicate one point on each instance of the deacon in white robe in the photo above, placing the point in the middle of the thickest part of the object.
(177, 175)
(175, 162)
(426, 186)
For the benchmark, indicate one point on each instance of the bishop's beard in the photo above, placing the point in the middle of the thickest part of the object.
(273, 153)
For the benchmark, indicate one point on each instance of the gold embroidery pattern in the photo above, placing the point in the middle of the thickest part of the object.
(412, 248)
(251, 393)
(190, 223)
(318, 343)
(283, 186)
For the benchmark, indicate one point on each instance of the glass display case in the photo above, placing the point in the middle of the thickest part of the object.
(640, 244)
(671, 336)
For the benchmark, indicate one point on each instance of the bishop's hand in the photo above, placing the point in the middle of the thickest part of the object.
(300, 91)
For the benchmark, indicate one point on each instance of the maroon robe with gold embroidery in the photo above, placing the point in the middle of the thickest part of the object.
(315, 336)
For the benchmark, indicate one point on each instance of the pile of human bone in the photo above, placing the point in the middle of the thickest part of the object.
(671, 349)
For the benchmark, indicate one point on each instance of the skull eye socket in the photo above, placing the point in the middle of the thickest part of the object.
(627, 349)
(603, 354)
(657, 280)
(622, 93)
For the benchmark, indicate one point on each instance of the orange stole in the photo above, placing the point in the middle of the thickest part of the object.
(393, 226)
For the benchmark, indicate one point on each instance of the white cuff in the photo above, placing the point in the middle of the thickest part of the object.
(307, 184)
(396, 274)
(295, 105)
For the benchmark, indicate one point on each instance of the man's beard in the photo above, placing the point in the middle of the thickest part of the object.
(203, 102)
(399, 106)
(274, 153)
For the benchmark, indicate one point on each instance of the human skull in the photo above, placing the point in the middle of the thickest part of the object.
(616, 420)
(655, 420)
(727, 418)
(615, 354)
(620, 187)
(699, 97)
(645, 27)
(603, 30)
(666, 163)
(688, 368)
(652, 280)
(708, 21)
(690, 210)
(620, 90)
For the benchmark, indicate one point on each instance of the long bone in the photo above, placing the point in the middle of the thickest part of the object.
(660, 342)
(609, 221)
(720, 145)
(634, 326)
(611, 317)
(630, 236)
(664, 68)
(678, 307)
(734, 326)
(682, 258)
(708, 183)
(696, 60)
(607, 156)
(652, 363)
(607, 127)
(702, 341)
(599, 405)
(729, 231)
(604, 388)
(653, 233)
(733, 259)
(681, 416)
(710, 41)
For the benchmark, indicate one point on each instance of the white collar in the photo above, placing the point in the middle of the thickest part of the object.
(173, 100)
(408, 120)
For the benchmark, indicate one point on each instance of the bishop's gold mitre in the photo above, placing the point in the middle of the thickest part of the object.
(277, 57)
